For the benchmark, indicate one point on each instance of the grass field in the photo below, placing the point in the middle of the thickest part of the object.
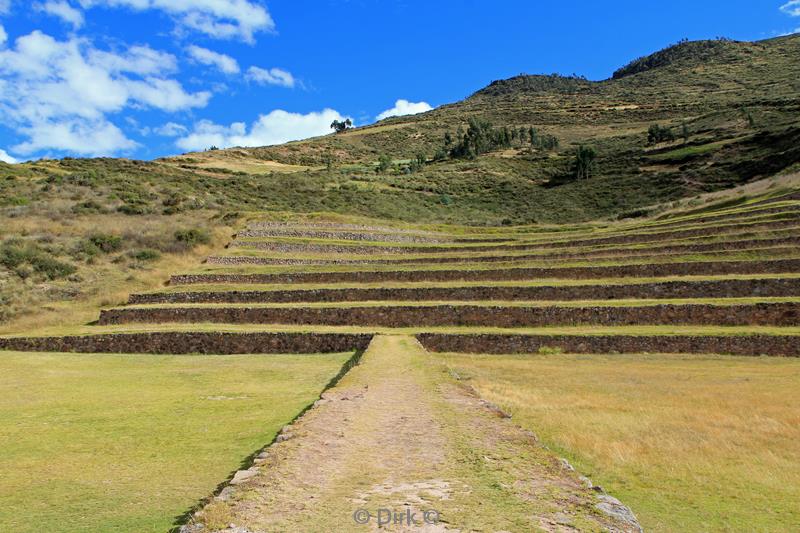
(691, 443)
(116, 443)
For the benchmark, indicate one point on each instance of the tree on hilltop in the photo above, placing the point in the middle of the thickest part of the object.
(340, 126)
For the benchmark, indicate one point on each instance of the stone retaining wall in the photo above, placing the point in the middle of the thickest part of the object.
(508, 274)
(192, 343)
(733, 288)
(788, 211)
(341, 235)
(764, 314)
(785, 245)
(336, 226)
(740, 230)
(753, 345)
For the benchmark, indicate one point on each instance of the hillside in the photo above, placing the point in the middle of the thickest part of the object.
(82, 229)
(729, 108)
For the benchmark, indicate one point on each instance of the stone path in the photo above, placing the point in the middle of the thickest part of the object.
(400, 445)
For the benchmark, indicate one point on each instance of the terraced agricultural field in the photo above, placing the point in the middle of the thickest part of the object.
(721, 283)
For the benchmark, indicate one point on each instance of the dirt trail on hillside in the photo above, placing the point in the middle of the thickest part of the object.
(400, 445)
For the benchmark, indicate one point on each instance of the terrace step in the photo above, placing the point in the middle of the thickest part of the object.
(761, 314)
(352, 235)
(751, 345)
(187, 342)
(782, 245)
(740, 231)
(731, 288)
(722, 216)
(782, 266)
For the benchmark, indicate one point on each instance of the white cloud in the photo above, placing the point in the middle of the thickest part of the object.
(62, 10)
(223, 62)
(5, 7)
(78, 136)
(274, 128)
(59, 93)
(791, 8)
(221, 19)
(5, 158)
(404, 107)
(3, 35)
(171, 129)
(273, 76)
(141, 60)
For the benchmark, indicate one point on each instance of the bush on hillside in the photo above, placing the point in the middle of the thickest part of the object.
(192, 237)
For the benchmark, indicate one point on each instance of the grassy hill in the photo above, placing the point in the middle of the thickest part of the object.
(731, 107)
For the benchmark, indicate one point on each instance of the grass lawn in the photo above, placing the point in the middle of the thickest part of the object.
(691, 443)
(121, 443)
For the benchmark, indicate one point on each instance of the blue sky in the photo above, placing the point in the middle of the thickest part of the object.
(147, 78)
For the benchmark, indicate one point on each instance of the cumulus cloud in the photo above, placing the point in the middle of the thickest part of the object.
(3, 35)
(5, 7)
(204, 56)
(273, 76)
(171, 129)
(83, 137)
(5, 158)
(273, 128)
(63, 10)
(404, 107)
(59, 93)
(221, 19)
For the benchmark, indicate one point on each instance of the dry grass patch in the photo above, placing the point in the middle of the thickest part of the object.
(692, 443)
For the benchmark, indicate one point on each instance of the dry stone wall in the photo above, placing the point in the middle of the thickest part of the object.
(751, 345)
(192, 343)
(738, 231)
(785, 246)
(767, 314)
(508, 274)
(729, 288)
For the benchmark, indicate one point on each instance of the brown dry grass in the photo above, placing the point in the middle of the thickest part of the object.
(692, 443)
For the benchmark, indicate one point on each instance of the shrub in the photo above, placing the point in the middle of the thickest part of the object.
(106, 243)
(146, 255)
(192, 237)
(25, 259)
(89, 206)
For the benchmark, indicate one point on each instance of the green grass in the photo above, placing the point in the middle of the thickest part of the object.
(690, 443)
(115, 443)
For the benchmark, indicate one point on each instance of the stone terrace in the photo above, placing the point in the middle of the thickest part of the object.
(723, 280)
